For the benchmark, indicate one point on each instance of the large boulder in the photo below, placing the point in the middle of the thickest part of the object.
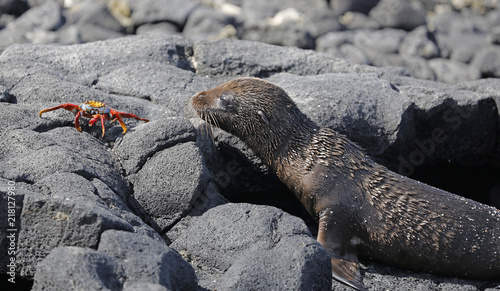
(251, 246)
(123, 260)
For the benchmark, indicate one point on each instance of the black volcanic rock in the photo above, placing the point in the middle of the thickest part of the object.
(149, 209)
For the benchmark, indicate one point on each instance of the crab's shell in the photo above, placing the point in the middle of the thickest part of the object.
(94, 107)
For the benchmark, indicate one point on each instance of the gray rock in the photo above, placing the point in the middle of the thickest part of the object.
(416, 66)
(9, 37)
(289, 23)
(66, 35)
(373, 114)
(330, 42)
(80, 65)
(151, 11)
(140, 286)
(135, 148)
(363, 6)
(487, 60)
(261, 9)
(420, 42)
(123, 260)
(208, 199)
(119, 206)
(381, 277)
(11, 198)
(286, 28)
(170, 182)
(385, 41)
(47, 16)
(225, 59)
(495, 35)
(145, 260)
(51, 222)
(399, 14)
(452, 72)
(354, 54)
(12, 6)
(67, 268)
(455, 23)
(90, 32)
(165, 28)
(96, 13)
(493, 18)
(93, 193)
(460, 47)
(207, 23)
(93, 21)
(324, 22)
(21, 116)
(356, 20)
(227, 237)
(462, 54)
(452, 125)
(29, 25)
(162, 84)
(31, 156)
(489, 86)
(5, 95)
(284, 267)
(340, 44)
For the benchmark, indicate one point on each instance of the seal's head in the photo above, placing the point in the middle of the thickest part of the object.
(260, 113)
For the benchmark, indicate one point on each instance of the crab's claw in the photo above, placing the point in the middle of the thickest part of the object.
(99, 117)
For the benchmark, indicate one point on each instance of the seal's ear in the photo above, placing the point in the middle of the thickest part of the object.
(263, 117)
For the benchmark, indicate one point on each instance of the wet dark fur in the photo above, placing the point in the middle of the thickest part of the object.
(361, 206)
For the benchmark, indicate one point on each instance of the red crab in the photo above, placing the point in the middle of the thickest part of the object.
(96, 111)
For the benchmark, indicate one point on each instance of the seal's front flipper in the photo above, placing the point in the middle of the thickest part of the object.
(334, 234)
(347, 273)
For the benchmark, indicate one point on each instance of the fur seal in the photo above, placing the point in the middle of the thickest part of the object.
(361, 207)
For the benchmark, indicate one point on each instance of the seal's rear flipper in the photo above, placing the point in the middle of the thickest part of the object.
(347, 273)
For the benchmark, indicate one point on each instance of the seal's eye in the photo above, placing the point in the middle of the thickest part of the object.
(225, 100)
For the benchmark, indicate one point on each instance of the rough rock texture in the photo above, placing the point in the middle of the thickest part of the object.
(254, 247)
(399, 14)
(123, 260)
(169, 183)
(377, 108)
(90, 212)
(456, 30)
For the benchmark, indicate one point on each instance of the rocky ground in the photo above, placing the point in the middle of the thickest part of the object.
(173, 205)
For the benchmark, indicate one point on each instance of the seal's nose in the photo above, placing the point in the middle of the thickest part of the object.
(199, 95)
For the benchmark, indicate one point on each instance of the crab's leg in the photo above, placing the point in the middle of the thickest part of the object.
(117, 117)
(130, 115)
(103, 118)
(68, 106)
(77, 120)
